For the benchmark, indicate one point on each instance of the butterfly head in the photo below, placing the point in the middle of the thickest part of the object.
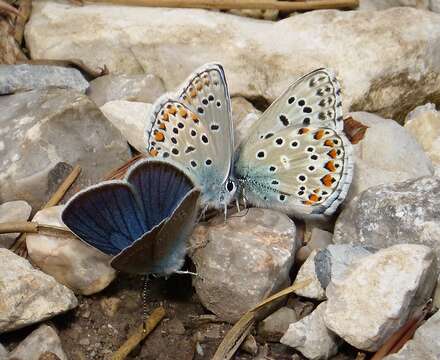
(223, 195)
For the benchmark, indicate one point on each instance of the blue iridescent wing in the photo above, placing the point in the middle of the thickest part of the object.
(106, 216)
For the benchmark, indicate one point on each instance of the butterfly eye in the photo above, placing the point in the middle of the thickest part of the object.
(230, 186)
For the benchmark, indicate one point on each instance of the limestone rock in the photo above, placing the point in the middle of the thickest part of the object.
(242, 260)
(18, 210)
(384, 215)
(387, 154)
(311, 337)
(71, 262)
(425, 345)
(424, 124)
(130, 118)
(380, 294)
(144, 88)
(44, 339)
(436, 299)
(434, 5)
(386, 4)
(28, 295)
(244, 115)
(275, 325)
(43, 134)
(256, 65)
(16, 78)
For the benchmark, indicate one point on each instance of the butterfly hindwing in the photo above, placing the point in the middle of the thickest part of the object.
(107, 216)
(194, 131)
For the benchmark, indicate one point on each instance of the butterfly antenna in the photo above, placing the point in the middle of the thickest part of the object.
(146, 280)
(244, 200)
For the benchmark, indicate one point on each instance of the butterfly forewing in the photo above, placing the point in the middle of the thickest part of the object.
(314, 99)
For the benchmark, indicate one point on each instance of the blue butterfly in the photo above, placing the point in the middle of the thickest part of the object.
(296, 158)
(143, 221)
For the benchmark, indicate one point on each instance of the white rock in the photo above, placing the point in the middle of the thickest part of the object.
(28, 295)
(434, 5)
(311, 337)
(424, 124)
(380, 294)
(244, 115)
(275, 325)
(387, 153)
(144, 88)
(436, 299)
(307, 272)
(242, 260)
(261, 58)
(45, 338)
(386, 4)
(425, 345)
(3, 353)
(18, 210)
(319, 239)
(130, 118)
(71, 262)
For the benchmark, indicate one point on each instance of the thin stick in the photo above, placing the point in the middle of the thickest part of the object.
(19, 246)
(16, 226)
(242, 4)
(242, 327)
(140, 334)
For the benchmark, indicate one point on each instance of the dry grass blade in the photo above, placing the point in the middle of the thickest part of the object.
(140, 334)
(18, 226)
(354, 130)
(120, 172)
(242, 327)
(19, 246)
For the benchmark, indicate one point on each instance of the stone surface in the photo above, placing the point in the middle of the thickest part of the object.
(3, 352)
(436, 299)
(242, 260)
(425, 345)
(244, 115)
(18, 210)
(44, 339)
(144, 88)
(406, 212)
(434, 5)
(386, 4)
(28, 295)
(250, 345)
(10, 51)
(134, 40)
(380, 294)
(327, 265)
(43, 134)
(311, 337)
(275, 325)
(424, 124)
(71, 262)
(383, 155)
(130, 118)
(16, 78)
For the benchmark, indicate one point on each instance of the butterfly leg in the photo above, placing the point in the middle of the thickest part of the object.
(226, 210)
(237, 203)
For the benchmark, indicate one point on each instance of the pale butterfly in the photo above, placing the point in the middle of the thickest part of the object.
(296, 158)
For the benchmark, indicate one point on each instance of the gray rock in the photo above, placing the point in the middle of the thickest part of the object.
(386, 4)
(16, 78)
(434, 5)
(406, 212)
(425, 345)
(43, 134)
(44, 339)
(70, 261)
(28, 295)
(380, 293)
(18, 210)
(258, 67)
(436, 299)
(250, 345)
(242, 260)
(144, 88)
(3, 353)
(130, 118)
(327, 265)
(311, 337)
(384, 154)
(275, 325)
(244, 115)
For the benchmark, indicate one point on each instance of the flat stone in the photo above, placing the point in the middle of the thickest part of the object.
(256, 65)
(28, 295)
(425, 345)
(44, 339)
(386, 4)
(384, 215)
(311, 337)
(242, 260)
(275, 325)
(385, 151)
(18, 210)
(380, 293)
(129, 118)
(250, 345)
(424, 124)
(16, 78)
(244, 115)
(144, 88)
(70, 261)
(44, 133)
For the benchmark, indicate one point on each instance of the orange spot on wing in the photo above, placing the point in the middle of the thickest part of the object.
(328, 180)
(183, 113)
(162, 127)
(313, 197)
(153, 152)
(172, 110)
(329, 143)
(159, 136)
(199, 85)
(319, 134)
(165, 116)
(308, 202)
(303, 131)
(316, 190)
(194, 118)
(332, 154)
(192, 92)
(330, 166)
